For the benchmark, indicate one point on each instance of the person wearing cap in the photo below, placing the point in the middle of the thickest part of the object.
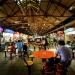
(64, 52)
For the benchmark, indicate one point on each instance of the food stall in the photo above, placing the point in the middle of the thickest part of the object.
(1, 39)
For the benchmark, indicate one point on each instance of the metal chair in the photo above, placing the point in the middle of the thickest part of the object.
(49, 68)
(31, 56)
(28, 64)
(62, 69)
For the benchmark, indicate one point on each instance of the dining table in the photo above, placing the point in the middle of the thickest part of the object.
(71, 47)
(43, 54)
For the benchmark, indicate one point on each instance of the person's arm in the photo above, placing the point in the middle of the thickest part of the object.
(57, 52)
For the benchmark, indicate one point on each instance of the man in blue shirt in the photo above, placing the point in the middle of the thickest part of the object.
(64, 52)
(19, 47)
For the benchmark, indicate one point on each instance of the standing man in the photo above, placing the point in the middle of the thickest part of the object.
(47, 43)
(25, 49)
(19, 47)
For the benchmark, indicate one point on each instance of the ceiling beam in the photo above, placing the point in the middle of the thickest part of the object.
(66, 26)
(62, 23)
(32, 15)
(2, 1)
(47, 8)
(62, 5)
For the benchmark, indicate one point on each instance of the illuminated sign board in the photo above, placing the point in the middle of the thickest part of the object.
(69, 30)
(60, 32)
(1, 29)
(9, 31)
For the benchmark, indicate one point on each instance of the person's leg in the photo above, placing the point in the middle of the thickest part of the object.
(64, 68)
(27, 54)
(19, 52)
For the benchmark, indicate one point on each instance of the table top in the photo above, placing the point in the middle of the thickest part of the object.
(43, 54)
(72, 47)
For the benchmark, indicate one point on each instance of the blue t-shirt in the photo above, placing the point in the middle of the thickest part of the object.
(64, 52)
(19, 45)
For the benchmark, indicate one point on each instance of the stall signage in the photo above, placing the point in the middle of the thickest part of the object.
(1, 29)
(9, 31)
(73, 29)
(68, 30)
(17, 33)
(60, 32)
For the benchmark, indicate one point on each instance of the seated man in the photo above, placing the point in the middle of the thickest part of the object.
(12, 48)
(65, 57)
(64, 52)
